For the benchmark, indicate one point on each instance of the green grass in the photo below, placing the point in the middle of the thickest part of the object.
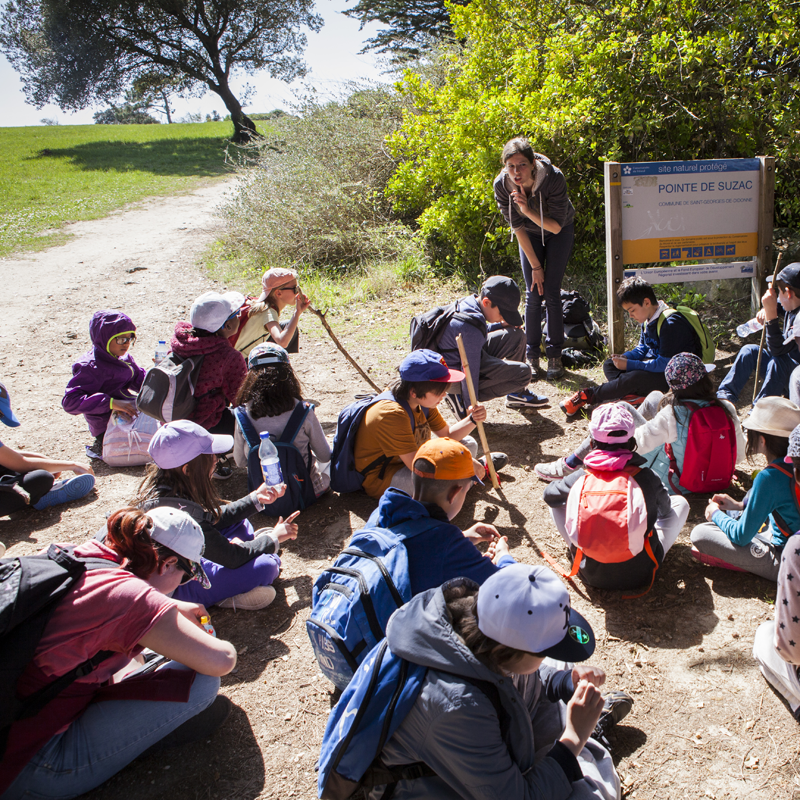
(50, 175)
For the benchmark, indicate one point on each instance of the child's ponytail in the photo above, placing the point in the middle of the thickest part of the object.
(129, 536)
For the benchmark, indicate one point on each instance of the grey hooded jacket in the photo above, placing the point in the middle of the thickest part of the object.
(454, 729)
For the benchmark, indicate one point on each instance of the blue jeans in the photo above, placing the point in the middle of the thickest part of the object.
(104, 740)
(553, 255)
(775, 370)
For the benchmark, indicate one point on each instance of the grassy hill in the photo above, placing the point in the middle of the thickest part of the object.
(50, 175)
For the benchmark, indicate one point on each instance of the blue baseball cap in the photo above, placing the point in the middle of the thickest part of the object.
(426, 365)
(6, 414)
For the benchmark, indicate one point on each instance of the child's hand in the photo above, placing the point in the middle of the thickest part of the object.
(126, 408)
(301, 302)
(192, 611)
(620, 362)
(727, 503)
(269, 494)
(769, 303)
(586, 672)
(286, 529)
(79, 469)
(583, 712)
(478, 413)
(482, 532)
(711, 508)
(500, 549)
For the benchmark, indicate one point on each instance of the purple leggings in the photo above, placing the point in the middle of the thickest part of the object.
(225, 582)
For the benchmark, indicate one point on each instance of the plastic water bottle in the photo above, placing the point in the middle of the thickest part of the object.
(746, 328)
(162, 351)
(270, 463)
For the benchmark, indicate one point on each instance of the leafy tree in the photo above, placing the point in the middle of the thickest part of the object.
(75, 52)
(412, 28)
(626, 80)
(124, 115)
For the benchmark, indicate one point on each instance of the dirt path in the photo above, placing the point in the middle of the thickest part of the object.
(705, 724)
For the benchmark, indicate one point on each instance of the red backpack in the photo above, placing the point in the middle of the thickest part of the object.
(710, 455)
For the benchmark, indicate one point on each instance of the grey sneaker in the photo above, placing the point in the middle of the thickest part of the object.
(555, 369)
(554, 471)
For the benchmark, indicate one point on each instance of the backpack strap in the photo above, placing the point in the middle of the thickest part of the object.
(383, 461)
(247, 428)
(296, 420)
(649, 549)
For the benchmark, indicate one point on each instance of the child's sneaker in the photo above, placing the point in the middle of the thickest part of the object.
(255, 599)
(223, 470)
(554, 471)
(456, 404)
(526, 400)
(499, 460)
(713, 561)
(634, 400)
(574, 404)
(65, 490)
(95, 449)
(616, 707)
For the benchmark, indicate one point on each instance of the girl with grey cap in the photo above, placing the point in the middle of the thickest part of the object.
(731, 538)
(504, 634)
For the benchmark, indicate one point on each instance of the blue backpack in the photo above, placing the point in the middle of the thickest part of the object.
(294, 465)
(380, 696)
(344, 476)
(351, 601)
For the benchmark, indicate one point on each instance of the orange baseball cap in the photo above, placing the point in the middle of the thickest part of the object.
(452, 460)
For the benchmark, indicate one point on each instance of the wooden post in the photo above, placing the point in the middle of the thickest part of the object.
(614, 265)
(766, 220)
(474, 401)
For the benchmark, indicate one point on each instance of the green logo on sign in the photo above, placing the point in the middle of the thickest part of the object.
(579, 634)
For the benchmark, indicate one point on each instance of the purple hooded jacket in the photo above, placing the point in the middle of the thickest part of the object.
(98, 377)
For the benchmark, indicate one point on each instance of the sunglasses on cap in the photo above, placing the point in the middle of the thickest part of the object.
(125, 339)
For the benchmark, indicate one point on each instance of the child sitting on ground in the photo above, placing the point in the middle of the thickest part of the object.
(280, 290)
(270, 393)
(731, 537)
(776, 647)
(241, 563)
(657, 518)
(106, 378)
(641, 370)
(27, 479)
(780, 356)
(385, 443)
(662, 420)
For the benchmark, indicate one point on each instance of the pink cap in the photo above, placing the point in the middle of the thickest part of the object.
(275, 278)
(611, 423)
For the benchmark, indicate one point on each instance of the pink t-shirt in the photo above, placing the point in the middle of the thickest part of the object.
(105, 610)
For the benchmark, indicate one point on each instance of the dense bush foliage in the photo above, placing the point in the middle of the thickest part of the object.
(627, 81)
(316, 194)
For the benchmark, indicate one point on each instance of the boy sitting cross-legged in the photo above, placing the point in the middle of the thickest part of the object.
(641, 370)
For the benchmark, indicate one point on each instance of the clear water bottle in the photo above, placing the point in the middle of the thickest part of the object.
(746, 328)
(270, 463)
(162, 351)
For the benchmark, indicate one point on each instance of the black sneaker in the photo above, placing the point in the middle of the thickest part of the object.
(526, 400)
(223, 470)
(616, 707)
(201, 726)
(456, 404)
(95, 449)
(499, 460)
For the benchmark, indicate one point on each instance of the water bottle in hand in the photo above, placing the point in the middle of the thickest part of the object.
(746, 328)
(162, 351)
(270, 463)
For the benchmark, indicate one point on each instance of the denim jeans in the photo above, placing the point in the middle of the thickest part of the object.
(775, 370)
(553, 255)
(104, 740)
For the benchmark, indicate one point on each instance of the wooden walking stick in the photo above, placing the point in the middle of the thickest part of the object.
(764, 332)
(474, 401)
(344, 352)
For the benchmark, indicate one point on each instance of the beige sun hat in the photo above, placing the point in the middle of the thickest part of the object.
(773, 415)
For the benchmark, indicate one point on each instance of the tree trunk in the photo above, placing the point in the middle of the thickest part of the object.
(244, 129)
(165, 99)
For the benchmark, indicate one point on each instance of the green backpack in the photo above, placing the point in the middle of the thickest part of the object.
(707, 343)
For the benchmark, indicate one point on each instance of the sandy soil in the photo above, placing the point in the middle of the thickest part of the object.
(705, 724)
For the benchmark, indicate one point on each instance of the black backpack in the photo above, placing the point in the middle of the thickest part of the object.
(426, 329)
(30, 588)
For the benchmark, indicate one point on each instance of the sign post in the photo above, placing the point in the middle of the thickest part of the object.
(666, 211)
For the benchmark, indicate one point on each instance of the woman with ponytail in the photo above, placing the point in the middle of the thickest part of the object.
(106, 719)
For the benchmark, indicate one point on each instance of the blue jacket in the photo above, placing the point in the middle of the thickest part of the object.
(435, 555)
(653, 352)
(474, 338)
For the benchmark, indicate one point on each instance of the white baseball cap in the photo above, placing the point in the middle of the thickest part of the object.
(211, 310)
(178, 442)
(180, 533)
(528, 608)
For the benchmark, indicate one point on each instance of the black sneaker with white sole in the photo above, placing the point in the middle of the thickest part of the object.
(616, 707)
(526, 400)
(223, 470)
(456, 404)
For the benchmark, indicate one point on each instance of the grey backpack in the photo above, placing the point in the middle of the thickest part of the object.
(167, 392)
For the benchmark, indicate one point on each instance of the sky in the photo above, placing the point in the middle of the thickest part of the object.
(332, 57)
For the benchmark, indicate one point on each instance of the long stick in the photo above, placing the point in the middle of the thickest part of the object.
(474, 401)
(764, 332)
(342, 350)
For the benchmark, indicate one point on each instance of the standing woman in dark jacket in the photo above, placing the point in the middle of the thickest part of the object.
(532, 196)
